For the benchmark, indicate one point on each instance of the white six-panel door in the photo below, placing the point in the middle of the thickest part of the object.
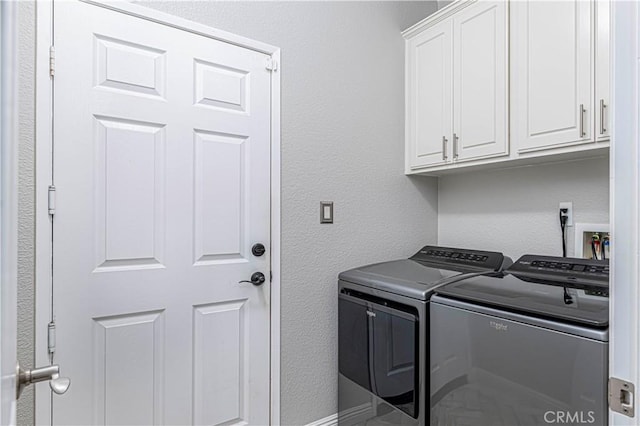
(162, 174)
(551, 59)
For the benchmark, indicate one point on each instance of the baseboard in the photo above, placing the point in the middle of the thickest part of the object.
(345, 416)
(331, 420)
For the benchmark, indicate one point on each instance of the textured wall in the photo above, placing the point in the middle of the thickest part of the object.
(342, 140)
(26, 201)
(516, 210)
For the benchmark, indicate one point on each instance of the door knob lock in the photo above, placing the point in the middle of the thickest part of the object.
(258, 249)
(257, 278)
(50, 373)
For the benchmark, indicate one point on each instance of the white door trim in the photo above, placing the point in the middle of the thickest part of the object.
(8, 209)
(44, 172)
(275, 241)
(183, 24)
(624, 339)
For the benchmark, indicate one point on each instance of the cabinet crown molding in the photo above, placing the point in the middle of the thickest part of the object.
(436, 17)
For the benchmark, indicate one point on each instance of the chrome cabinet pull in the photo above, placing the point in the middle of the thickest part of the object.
(582, 111)
(444, 148)
(455, 146)
(603, 129)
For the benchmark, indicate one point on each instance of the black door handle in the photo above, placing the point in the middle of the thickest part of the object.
(257, 278)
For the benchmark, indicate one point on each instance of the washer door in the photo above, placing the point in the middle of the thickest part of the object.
(378, 348)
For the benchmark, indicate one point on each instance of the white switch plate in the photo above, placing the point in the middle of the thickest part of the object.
(326, 211)
(569, 206)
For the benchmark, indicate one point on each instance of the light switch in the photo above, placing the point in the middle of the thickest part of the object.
(326, 211)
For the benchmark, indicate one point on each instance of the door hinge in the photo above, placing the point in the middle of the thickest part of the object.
(270, 276)
(52, 200)
(621, 396)
(51, 337)
(272, 64)
(52, 61)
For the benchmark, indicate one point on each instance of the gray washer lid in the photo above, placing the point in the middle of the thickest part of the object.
(601, 334)
(404, 277)
(540, 299)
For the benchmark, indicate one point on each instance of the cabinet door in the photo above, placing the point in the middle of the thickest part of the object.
(429, 97)
(480, 81)
(602, 70)
(552, 77)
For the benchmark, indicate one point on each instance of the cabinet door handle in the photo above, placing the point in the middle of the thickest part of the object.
(603, 129)
(444, 148)
(455, 146)
(582, 111)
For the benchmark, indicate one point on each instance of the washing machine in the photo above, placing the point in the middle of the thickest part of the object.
(383, 321)
(524, 347)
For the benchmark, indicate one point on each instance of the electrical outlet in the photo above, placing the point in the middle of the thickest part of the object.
(569, 206)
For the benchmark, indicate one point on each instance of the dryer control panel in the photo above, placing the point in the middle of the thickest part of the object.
(463, 259)
(563, 271)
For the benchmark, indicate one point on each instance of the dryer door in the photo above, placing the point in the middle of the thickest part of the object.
(378, 348)
(353, 340)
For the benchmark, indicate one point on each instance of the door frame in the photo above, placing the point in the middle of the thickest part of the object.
(8, 210)
(43, 154)
(624, 170)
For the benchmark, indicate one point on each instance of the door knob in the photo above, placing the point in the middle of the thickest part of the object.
(50, 373)
(59, 385)
(257, 278)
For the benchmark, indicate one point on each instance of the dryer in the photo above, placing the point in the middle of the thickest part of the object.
(525, 347)
(383, 321)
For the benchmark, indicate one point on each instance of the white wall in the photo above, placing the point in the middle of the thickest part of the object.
(516, 210)
(342, 140)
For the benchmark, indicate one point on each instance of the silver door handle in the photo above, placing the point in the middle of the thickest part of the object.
(582, 111)
(49, 373)
(444, 148)
(455, 146)
(603, 130)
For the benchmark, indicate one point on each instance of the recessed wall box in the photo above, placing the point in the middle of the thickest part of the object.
(592, 240)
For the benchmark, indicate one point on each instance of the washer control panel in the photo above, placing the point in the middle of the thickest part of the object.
(565, 271)
(461, 258)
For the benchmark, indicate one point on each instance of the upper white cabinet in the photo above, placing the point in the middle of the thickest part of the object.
(429, 94)
(507, 81)
(480, 81)
(602, 119)
(552, 73)
(456, 88)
